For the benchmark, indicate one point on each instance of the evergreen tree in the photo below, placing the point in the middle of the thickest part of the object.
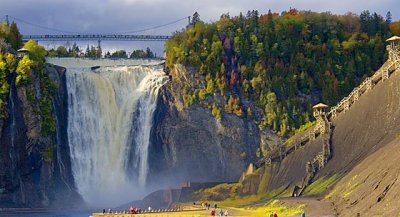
(14, 36)
(388, 17)
(195, 18)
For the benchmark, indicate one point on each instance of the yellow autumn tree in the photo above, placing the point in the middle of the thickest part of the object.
(23, 70)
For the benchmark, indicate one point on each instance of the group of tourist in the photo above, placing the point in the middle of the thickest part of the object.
(132, 210)
(220, 213)
(214, 209)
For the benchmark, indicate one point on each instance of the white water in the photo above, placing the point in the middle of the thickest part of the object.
(110, 115)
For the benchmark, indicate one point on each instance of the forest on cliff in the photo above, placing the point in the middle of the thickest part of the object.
(21, 71)
(273, 67)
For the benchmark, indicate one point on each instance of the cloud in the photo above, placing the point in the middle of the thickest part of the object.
(112, 16)
(104, 16)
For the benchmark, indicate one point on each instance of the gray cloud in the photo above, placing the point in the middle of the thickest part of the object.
(109, 16)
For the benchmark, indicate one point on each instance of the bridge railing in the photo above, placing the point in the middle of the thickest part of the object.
(115, 37)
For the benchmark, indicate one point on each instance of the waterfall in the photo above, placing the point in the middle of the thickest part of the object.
(110, 115)
(13, 127)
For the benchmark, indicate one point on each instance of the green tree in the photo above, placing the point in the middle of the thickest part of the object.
(36, 52)
(14, 36)
(62, 51)
(119, 54)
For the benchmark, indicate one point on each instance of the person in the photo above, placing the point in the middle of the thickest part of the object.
(109, 211)
(212, 212)
(215, 206)
(104, 211)
(221, 213)
(275, 214)
(131, 210)
(149, 208)
(271, 215)
(303, 214)
(226, 213)
(208, 206)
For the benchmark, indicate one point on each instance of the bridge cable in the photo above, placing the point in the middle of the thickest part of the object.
(152, 28)
(43, 27)
(69, 32)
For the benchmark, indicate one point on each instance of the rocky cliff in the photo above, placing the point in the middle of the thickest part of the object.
(190, 144)
(187, 144)
(35, 168)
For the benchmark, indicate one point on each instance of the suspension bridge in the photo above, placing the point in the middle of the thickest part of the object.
(75, 36)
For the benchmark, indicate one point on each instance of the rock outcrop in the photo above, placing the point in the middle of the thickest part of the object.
(35, 168)
(190, 144)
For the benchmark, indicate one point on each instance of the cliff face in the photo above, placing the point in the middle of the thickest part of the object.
(190, 144)
(35, 169)
(193, 146)
(187, 144)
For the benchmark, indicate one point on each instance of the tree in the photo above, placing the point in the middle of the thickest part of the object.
(14, 36)
(36, 52)
(388, 17)
(23, 70)
(277, 60)
(149, 53)
(216, 112)
(271, 109)
(195, 18)
(62, 51)
(93, 52)
(119, 54)
(395, 28)
(140, 54)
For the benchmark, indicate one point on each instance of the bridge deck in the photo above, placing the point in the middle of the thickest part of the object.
(96, 37)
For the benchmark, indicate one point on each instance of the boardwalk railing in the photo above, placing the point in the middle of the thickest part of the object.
(391, 65)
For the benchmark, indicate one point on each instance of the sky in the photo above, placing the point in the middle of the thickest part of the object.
(117, 16)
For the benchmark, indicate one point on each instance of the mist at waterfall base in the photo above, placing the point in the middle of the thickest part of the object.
(110, 115)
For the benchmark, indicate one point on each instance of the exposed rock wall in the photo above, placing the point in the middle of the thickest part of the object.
(35, 169)
(190, 144)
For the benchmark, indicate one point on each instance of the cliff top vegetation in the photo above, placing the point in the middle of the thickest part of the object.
(273, 67)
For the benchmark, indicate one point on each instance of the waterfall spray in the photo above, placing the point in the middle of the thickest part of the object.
(110, 115)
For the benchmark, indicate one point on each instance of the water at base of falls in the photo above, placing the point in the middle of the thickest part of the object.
(110, 114)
